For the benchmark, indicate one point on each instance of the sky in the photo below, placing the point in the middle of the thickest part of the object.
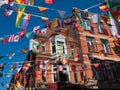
(7, 27)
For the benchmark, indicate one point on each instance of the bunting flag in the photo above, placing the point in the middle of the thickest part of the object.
(104, 7)
(7, 12)
(24, 24)
(44, 31)
(22, 33)
(16, 38)
(76, 58)
(42, 9)
(45, 19)
(60, 68)
(49, 1)
(21, 9)
(14, 66)
(61, 13)
(10, 1)
(11, 38)
(34, 45)
(4, 40)
(11, 55)
(96, 66)
(36, 29)
(2, 65)
(24, 50)
(27, 16)
(28, 34)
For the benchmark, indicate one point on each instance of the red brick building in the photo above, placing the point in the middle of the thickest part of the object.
(82, 49)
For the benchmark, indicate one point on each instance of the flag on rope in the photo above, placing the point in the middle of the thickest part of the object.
(20, 15)
(49, 1)
(16, 38)
(24, 50)
(11, 38)
(7, 12)
(36, 29)
(45, 19)
(2, 65)
(42, 9)
(104, 7)
(22, 33)
(11, 55)
(4, 40)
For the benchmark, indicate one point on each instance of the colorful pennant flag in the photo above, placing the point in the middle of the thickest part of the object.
(16, 38)
(2, 65)
(45, 19)
(11, 38)
(49, 1)
(22, 33)
(104, 7)
(36, 29)
(4, 40)
(7, 12)
(42, 9)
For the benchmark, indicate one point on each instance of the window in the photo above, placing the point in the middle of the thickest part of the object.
(91, 44)
(72, 50)
(43, 47)
(105, 46)
(100, 28)
(58, 45)
(87, 25)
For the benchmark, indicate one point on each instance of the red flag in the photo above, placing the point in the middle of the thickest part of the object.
(35, 29)
(49, 1)
(11, 38)
(16, 38)
(4, 40)
(22, 33)
(76, 58)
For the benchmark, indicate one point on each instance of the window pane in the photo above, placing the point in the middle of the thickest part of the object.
(91, 44)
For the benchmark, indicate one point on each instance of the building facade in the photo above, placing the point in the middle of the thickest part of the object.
(84, 47)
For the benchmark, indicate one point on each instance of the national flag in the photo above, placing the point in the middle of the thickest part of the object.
(11, 55)
(103, 7)
(2, 65)
(42, 9)
(4, 40)
(43, 31)
(13, 66)
(27, 16)
(68, 21)
(11, 38)
(28, 34)
(36, 29)
(7, 12)
(24, 50)
(76, 58)
(22, 33)
(21, 9)
(16, 38)
(60, 68)
(34, 45)
(49, 1)
(45, 19)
